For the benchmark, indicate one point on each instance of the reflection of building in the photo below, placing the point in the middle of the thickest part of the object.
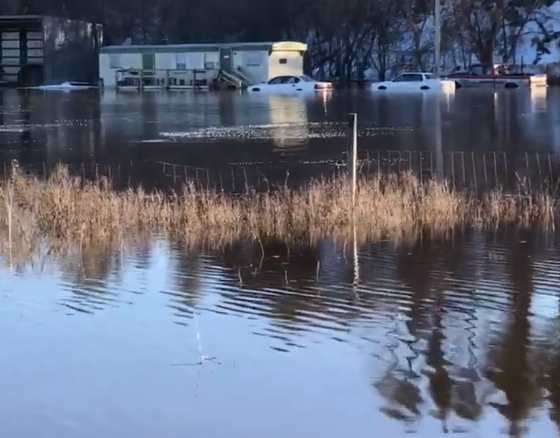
(553, 117)
(187, 116)
(20, 127)
(521, 118)
(206, 116)
(281, 118)
(288, 120)
(131, 115)
(39, 127)
(71, 127)
(538, 98)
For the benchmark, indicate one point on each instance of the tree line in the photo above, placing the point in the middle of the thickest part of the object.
(346, 38)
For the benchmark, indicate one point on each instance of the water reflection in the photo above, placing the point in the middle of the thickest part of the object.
(443, 335)
(119, 127)
(49, 127)
(287, 119)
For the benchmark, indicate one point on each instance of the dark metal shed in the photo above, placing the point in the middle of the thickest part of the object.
(40, 50)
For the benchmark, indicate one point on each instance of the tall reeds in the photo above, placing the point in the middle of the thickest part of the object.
(66, 208)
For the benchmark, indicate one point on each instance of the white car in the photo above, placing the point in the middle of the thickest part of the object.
(291, 84)
(415, 82)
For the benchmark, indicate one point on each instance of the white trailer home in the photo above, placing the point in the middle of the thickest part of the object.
(175, 66)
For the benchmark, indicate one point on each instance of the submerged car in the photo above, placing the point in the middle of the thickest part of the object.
(415, 82)
(291, 84)
(496, 76)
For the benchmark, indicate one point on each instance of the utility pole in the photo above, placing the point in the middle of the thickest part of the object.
(437, 37)
(437, 56)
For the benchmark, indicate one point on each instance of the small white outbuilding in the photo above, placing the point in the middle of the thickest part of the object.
(198, 65)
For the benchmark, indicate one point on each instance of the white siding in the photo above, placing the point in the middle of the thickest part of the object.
(257, 65)
(165, 61)
(108, 65)
(106, 73)
(253, 63)
(195, 61)
(285, 63)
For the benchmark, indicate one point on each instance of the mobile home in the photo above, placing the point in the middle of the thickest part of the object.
(198, 65)
(38, 50)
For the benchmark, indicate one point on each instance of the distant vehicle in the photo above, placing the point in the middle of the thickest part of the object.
(291, 84)
(497, 76)
(415, 82)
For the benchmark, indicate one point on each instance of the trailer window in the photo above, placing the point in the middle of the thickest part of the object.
(115, 61)
(283, 61)
(181, 61)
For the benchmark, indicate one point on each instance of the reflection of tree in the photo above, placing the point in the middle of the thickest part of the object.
(510, 367)
(281, 284)
(460, 258)
(414, 268)
(440, 382)
(552, 383)
(188, 273)
(403, 396)
(89, 278)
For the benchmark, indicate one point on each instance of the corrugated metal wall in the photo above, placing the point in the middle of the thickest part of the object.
(70, 51)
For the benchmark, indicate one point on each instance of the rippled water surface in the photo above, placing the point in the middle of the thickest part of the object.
(180, 127)
(455, 335)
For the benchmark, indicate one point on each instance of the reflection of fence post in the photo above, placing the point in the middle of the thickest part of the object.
(353, 137)
(485, 170)
(496, 179)
(453, 169)
(474, 172)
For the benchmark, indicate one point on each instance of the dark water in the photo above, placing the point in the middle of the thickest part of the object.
(458, 335)
(207, 129)
(231, 140)
(453, 335)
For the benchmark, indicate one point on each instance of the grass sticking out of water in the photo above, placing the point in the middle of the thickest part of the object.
(72, 211)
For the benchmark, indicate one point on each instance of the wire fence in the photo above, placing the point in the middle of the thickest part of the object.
(478, 171)
(122, 174)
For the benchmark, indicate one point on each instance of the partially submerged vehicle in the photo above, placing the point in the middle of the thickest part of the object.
(496, 76)
(291, 84)
(413, 82)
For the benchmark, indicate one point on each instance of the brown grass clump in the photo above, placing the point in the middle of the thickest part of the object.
(67, 209)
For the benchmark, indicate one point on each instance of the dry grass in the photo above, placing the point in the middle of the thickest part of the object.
(70, 211)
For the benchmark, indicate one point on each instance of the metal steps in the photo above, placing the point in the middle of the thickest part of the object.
(235, 78)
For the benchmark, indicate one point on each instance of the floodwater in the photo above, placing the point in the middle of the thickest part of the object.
(454, 335)
(230, 140)
(457, 335)
(181, 127)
